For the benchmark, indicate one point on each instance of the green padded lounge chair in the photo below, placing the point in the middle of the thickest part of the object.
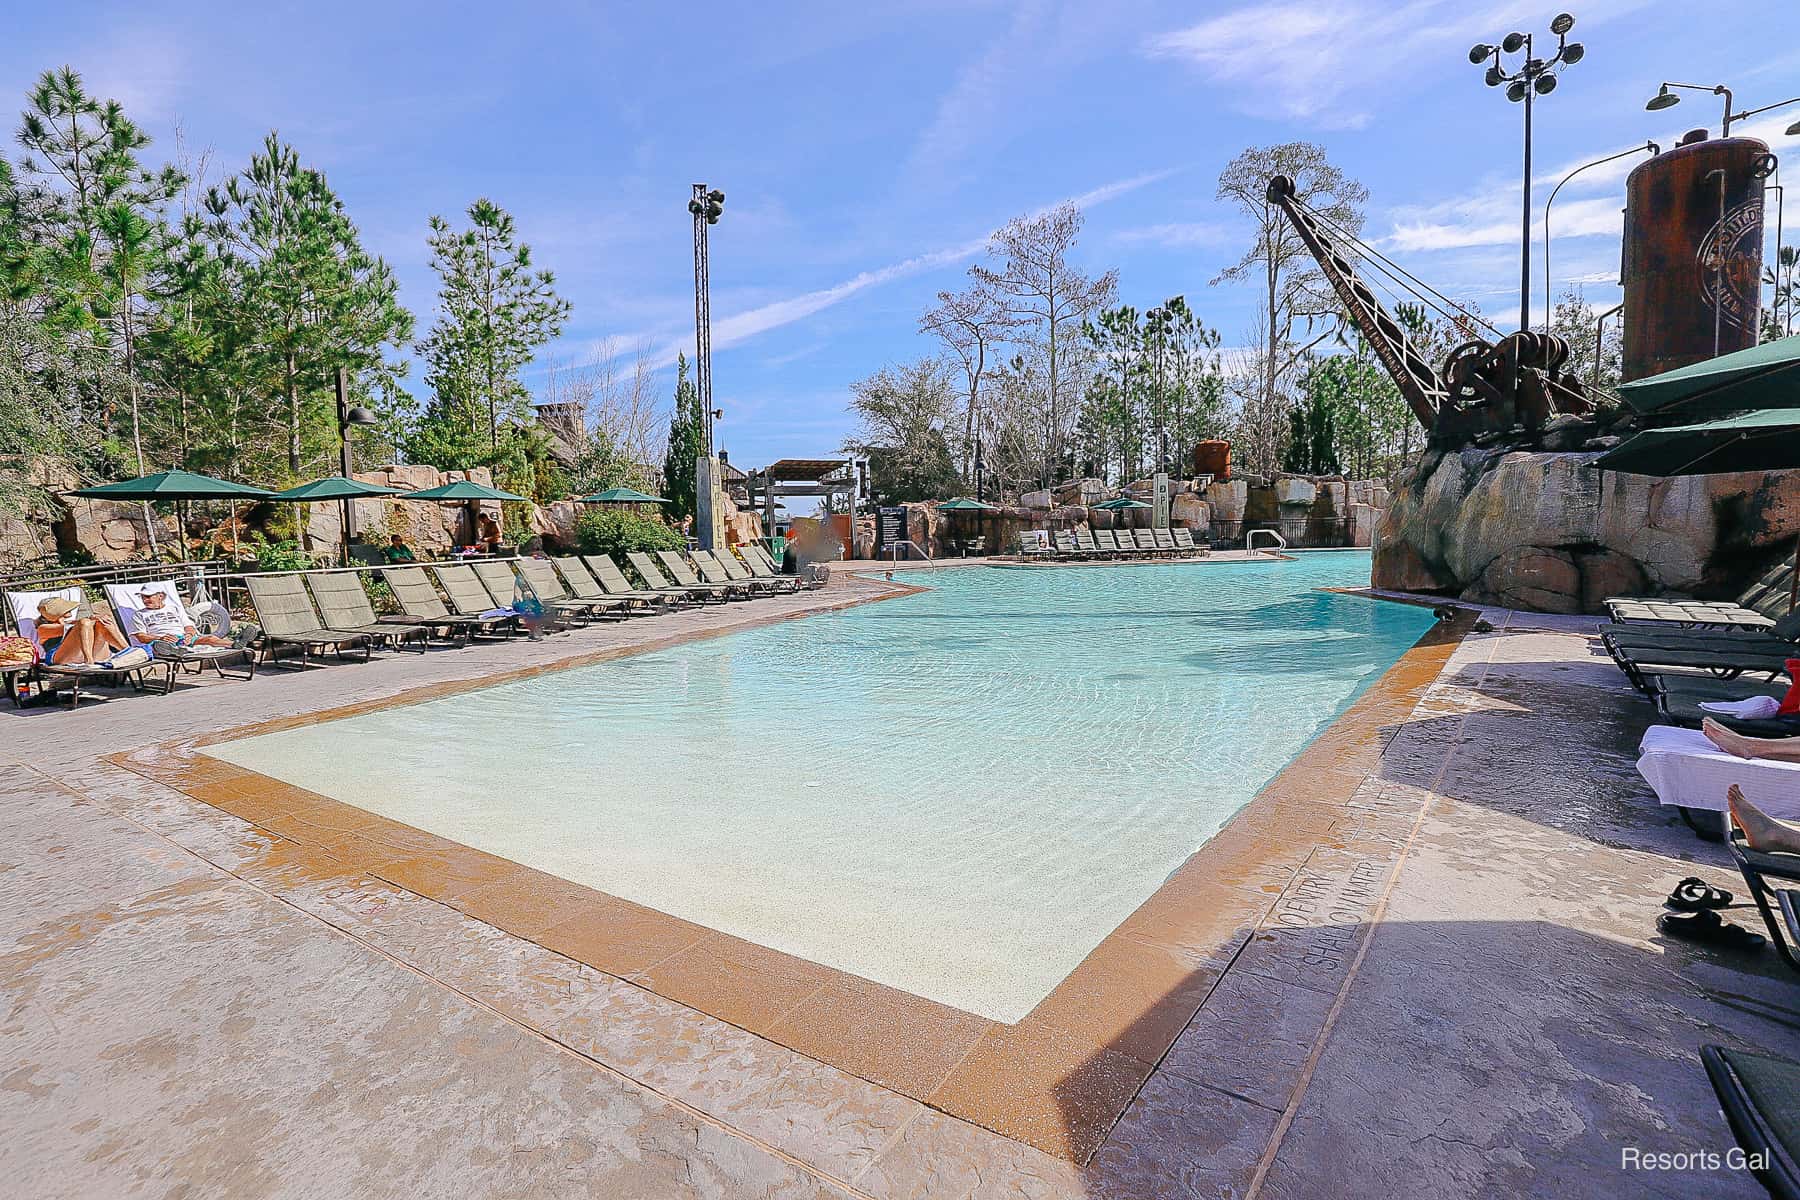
(345, 608)
(549, 588)
(582, 584)
(469, 597)
(1760, 1096)
(653, 578)
(683, 574)
(613, 579)
(1758, 607)
(285, 612)
(737, 572)
(419, 602)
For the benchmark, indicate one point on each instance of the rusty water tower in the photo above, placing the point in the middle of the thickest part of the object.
(1693, 252)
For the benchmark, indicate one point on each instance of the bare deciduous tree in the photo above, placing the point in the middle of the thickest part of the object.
(1040, 291)
(970, 324)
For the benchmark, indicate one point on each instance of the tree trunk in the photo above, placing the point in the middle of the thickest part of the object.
(293, 416)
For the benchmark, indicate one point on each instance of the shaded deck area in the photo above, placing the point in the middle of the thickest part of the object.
(1422, 962)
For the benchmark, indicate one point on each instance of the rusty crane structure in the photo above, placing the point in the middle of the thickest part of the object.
(1487, 391)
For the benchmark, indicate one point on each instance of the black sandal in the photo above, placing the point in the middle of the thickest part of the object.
(1694, 894)
(1707, 929)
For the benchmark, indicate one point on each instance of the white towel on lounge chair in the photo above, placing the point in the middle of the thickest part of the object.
(1756, 708)
(1683, 768)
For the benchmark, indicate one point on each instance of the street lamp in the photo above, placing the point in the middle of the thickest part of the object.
(1533, 77)
(1665, 98)
(348, 415)
(1650, 147)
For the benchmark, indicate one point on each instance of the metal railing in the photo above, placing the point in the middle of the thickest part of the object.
(1250, 540)
(893, 549)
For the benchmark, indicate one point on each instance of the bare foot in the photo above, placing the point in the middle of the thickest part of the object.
(1761, 831)
(1731, 743)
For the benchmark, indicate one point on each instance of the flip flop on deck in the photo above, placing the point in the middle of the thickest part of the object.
(1694, 894)
(1708, 929)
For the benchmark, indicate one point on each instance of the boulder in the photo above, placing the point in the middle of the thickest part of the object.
(1226, 498)
(1037, 499)
(1295, 489)
(1544, 530)
(1189, 510)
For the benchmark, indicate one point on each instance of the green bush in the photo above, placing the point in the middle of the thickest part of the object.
(280, 556)
(615, 532)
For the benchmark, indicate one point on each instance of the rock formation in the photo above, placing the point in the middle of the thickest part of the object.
(1546, 531)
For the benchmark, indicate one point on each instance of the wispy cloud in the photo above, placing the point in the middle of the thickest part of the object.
(741, 327)
(1176, 234)
(1309, 59)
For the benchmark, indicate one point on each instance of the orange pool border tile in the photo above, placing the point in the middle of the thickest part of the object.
(1057, 1080)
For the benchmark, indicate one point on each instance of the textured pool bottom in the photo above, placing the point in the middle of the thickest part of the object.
(1032, 754)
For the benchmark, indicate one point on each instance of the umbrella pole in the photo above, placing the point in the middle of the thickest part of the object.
(1794, 583)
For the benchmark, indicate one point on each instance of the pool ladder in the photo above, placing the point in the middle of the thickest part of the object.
(894, 549)
(1250, 540)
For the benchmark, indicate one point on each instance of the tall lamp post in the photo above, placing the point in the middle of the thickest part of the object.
(1650, 147)
(706, 205)
(1533, 77)
(348, 415)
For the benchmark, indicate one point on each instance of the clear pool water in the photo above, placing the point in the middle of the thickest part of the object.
(957, 793)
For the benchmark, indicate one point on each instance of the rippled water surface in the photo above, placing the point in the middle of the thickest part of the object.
(957, 793)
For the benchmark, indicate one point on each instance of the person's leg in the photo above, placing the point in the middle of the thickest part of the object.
(1774, 749)
(1762, 831)
(109, 634)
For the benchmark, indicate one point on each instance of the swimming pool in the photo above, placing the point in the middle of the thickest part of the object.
(957, 793)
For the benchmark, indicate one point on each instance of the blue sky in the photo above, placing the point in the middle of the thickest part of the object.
(867, 150)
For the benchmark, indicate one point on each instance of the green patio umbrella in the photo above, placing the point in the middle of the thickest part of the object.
(620, 495)
(177, 486)
(336, 487)
(464, 491)
(1765, 376)
(964, 504)
(1760, 440)
(1120, 504)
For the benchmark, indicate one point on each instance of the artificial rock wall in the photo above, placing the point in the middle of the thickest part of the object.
(1548, 532)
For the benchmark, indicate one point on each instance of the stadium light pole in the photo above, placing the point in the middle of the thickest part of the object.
(1531, 78)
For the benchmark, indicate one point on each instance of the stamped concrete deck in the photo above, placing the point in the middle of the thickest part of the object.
(1422, 962)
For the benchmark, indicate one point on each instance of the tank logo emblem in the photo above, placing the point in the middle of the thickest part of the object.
(1734, 244)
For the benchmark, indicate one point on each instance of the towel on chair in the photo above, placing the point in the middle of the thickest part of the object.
(1756, 708)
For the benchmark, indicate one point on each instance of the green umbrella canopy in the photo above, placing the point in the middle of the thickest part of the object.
(964, 504)
(620, 495)
(1122, 502)
(334, 487)
(173, 485)
(1764, 440)
(1765, 376)
(462, 489)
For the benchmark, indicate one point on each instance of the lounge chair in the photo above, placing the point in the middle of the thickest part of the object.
(1034, 543)
(1185, 543)
(1062, 542)
(1758, 607)
(713, 566)
(684, 575)
(583, 586)
(419, 601)
(24, 607)
(1084, 542)
(127, 598)
(763, 567)
(1641, 662)
(1106, 543)
(345, 608)
(1774, 883)
(1760, 1096)
(549, 588)
(469, 597)
(1146, 541)
(286, 615)
(735, 568)
(1165, 541)
(1678, 699)
(653, 577)
(613, 579)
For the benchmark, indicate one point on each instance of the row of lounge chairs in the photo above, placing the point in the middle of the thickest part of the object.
(1119, 544)
(320, 612)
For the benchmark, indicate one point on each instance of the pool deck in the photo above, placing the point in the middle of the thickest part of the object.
(1422, 962)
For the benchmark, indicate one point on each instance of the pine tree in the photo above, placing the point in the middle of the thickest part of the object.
(494, 312)
(687, 442)
(310, 298)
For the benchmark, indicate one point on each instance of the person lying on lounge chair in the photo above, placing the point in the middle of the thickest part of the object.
(70, 638)
(157, 622)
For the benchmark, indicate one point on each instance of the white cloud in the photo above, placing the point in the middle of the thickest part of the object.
(740, 327)
(1176, 234)
(1308, 59)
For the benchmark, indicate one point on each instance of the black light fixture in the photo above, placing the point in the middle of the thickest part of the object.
(1663, 99)
(1793, 130)
(1532, 77)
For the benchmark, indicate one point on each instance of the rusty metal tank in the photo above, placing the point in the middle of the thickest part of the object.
(1693, 253)
(1213, 458)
